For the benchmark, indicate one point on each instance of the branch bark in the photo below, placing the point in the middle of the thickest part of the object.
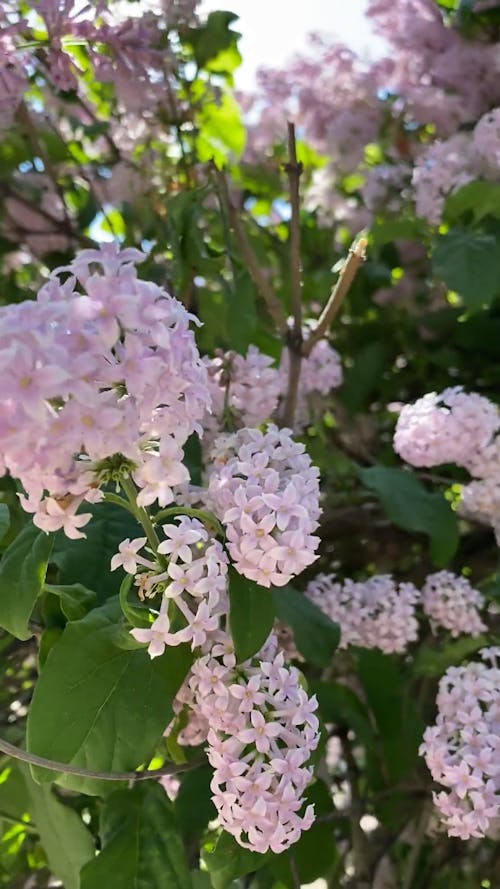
(53, 765)
(355, 258)
(294, 338)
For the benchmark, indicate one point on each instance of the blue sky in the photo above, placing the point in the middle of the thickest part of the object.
(273, 30)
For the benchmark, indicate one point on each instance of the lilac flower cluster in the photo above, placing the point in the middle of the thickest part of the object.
(101, 379)
(449, 601)
(449, 427)
(261, 729)
(244, 390)
(193, 580)
(264, 489)
(462, 749)
(375, 613)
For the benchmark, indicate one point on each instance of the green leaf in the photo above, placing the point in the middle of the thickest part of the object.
(430, 661)
(66, 841)
(113, 703)
(22, 573)
(399, 724)
(468, 262)
(221, 132)
(251, 614)
(342, 706)
(363, 377)
(213, 37)
(228, 861)
(193, 805)
(141, 844)
(410, 506)
(481, 198)
(316, 636)
(241, 313)
(76, 600)
(4, 520)
(87, 561)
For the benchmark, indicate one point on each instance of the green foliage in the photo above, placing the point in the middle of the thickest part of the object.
(316, 636)
(141, 844)
(432, 660)
(468, 263)
(114, 703)
(226, 861)
(251, 614)
(22, 574)
(410, 506)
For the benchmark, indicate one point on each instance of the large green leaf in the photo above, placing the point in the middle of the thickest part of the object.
(213, 38)
(66, 841)
(468, 262)
(342, 706)
(399, 724)
(75, 599)
(193, 804)
(316, 636)
(409, 505)
(100, 706)
(251, 614)
(221, 132)
(22, 573)
(480, 198)
(87, 561)
(4, 520)
(228, 860)
(141, 844)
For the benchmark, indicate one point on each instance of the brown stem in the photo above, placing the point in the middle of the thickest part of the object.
(65, 768)
(355, 258)
(273, 304)
(294, 171)
(358, 837)
(294, 339)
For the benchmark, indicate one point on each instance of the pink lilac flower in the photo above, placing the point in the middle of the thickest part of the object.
(260, 728)
(375, 613)
(446, 428)
(449, 601)
(264, 489)
(462, 748)
(244, 390)
(101, 371)
(193, 585)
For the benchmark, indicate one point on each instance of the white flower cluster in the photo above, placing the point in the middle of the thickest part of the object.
(462, 749)
(265, 490)
(261, 729)
(375, 613)
(449, 601)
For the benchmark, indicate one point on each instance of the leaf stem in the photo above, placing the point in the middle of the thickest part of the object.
(294, 337)
(140, 513)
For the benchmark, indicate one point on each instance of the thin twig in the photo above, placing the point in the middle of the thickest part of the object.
(273, 304)
(358, 837)
(294, 339)
(355, 258)
(294, 171)
(53, 765)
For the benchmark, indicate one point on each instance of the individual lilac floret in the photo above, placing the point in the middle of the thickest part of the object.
(449, 601)
(100, 375)
(446, 428)
(462, 749)
(264, 489)
(261, 728)
(375, 613)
